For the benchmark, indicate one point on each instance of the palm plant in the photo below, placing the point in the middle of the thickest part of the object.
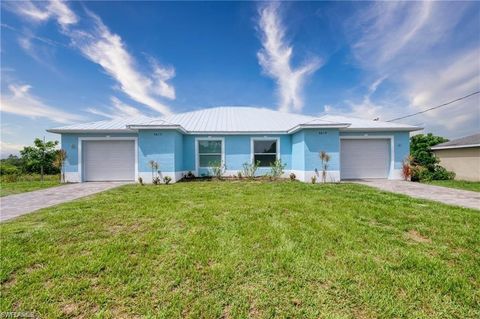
(154, 166)
(59, 162)
(325, 158)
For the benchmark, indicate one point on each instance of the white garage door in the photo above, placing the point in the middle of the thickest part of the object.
(364, 158)
(108, 160)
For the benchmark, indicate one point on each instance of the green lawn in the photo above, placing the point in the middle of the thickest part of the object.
(466, 185)
(244, 249)
(27, 184)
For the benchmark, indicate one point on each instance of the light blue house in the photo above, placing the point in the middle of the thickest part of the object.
(121, 149)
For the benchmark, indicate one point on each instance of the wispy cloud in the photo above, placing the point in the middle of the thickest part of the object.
(275, 57)
(98, 44)
(118, 109)
(108, 50)
(21, 102)
(41, 11)
(412, 43)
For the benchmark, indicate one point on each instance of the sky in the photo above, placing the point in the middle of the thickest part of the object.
(69, 62)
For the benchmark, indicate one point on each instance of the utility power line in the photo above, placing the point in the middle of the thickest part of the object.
(435, 107)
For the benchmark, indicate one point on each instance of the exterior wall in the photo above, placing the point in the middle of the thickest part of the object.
(401, 147)
(176, 153)
(237, 151)
(69, 142)
(164, 147)
(465, 162)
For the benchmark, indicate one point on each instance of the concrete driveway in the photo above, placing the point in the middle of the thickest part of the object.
(441, 194)
(21, 204)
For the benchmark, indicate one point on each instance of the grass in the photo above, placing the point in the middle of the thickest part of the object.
(244, 250)
(465, 185)
(26, 183)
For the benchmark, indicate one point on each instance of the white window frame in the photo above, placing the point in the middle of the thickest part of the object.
(197, 154)
(265, 138)
(106, 138)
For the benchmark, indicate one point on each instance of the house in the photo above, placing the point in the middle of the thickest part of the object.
(461, 156)
(121, 149)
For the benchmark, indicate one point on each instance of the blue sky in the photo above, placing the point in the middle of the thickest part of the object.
(66, 62)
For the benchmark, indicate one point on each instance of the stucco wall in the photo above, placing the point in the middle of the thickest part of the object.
(237, 151)
(465, 162)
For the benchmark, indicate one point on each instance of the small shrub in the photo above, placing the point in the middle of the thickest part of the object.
(314, 179)
(249, 169)
(167, 180)
(293, 177)
(189, 175)
(156, 180)
(276, 169)
(217, 169)
(140, 181)
(154, 166)
(407, 168)
(441, 173)
(8, 169)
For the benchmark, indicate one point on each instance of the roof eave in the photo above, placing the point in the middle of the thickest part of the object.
(157, 127)
(434, 148)
(380, 129)
(317, 126)
(63, 131)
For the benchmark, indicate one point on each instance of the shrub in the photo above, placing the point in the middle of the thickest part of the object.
(249, 169)
(156, 180)
(154, 166)
(140, 181)
(293, 177)
(314, 179)
(217, 169)
(407, 168)
(441, 173)
(167, 180)
(276, 169)
(189, 176)
(8, 169)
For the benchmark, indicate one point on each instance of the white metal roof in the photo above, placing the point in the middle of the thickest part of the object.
(232, 120)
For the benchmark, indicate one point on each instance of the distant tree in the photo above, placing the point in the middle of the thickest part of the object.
(15, 161)
(420, 149)
(40, 157)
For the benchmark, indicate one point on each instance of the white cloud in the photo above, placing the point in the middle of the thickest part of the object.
(21, 102)
(108, 50)
(275, 58)
(41, 12)
(98, 44)
(416, 45)
(117, 110)
(7, 148)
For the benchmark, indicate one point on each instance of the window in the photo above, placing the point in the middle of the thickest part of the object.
(265, 152)
(209, 153)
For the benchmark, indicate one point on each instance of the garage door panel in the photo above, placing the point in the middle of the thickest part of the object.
(108, 160)
(364, 158)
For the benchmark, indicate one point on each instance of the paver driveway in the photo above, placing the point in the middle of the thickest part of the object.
(20, 204)
(445, 195)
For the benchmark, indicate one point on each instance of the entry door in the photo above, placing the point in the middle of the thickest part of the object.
(108, 160)
(364, 158)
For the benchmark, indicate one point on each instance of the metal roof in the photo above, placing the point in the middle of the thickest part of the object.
(467, 141)
(231, 119)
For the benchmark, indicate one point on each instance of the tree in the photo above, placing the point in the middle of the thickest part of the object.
(40, 157)
(424, 164)
(420, 149)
